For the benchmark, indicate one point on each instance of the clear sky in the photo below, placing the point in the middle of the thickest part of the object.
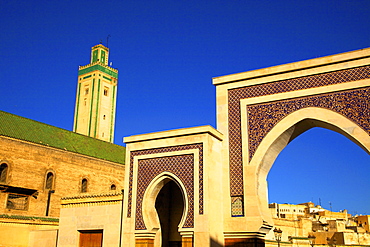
(167, 52)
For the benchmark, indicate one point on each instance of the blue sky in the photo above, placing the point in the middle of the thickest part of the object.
(167, 53)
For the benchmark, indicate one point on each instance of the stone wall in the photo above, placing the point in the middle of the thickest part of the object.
(29, 163)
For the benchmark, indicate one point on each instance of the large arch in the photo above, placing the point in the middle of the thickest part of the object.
(222, 174)
(287, 130)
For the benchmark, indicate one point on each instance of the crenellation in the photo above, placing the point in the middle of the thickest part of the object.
(81, 67)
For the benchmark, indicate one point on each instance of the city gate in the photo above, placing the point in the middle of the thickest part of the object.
(218, 177)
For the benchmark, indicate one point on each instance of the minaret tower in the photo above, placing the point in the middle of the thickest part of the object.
(95, 108)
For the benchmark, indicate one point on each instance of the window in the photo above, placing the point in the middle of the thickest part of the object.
(84, 185)
(105, 91)
(16, 201)
(86, 91)
(49, 183)
(113, 187)
(3, 172)
(237, 206)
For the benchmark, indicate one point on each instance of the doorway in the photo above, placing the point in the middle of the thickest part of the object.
(170, 206)
(91, 238)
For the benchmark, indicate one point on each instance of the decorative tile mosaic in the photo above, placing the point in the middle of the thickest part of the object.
(181, 166)
(237, 208)
(188, 170)
(353, 104)
(235, 95)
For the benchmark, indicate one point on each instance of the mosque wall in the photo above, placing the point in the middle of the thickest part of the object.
(29, 164)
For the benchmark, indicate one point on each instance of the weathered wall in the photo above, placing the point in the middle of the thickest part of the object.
(29, 163)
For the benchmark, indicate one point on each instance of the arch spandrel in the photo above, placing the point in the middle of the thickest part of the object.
(299, 122)
(352, 104)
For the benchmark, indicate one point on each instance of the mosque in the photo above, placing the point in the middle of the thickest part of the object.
(197, 186)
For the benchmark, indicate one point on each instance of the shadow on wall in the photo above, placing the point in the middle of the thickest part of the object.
(246, 242)
(214, 243)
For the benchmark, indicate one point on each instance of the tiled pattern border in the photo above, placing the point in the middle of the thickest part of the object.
(181, 166)
(160, 167)
(353, 104)
(234, 115)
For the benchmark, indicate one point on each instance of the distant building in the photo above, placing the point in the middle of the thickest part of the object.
(364, 221)
(287, 211)
(329, 228)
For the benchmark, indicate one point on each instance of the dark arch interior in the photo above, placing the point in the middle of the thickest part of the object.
(170, 206)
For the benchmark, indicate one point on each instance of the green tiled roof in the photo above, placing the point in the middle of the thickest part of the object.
(29, 130)
(23, 217)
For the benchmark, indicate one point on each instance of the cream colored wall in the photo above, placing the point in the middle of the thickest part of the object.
(90, 116)
(90, 213)
(47, 238)
(17, 234)
(83, 102)
(106, 108)
(290, 211)
(207, 226)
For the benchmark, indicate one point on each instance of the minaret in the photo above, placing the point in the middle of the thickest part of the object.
(95, 108)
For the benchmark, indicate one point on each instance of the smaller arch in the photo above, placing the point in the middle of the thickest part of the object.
(150, 215)
(4, 170)
(84, 185)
